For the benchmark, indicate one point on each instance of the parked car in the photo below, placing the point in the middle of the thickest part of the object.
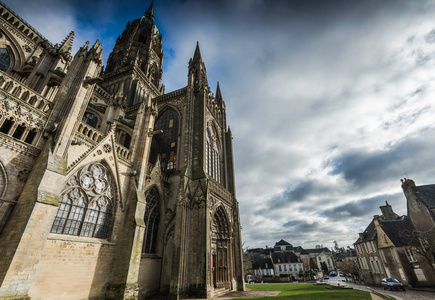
(252, 281)
(332, 274)
(340, 274)
(392, 284)
(326, 277)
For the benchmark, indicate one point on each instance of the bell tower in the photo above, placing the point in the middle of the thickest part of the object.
(134, 67)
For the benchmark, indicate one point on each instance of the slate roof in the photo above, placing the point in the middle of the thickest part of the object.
(426, 193)
(300, 250)
(283, 243)
(400, 231)
(262, 263)
(318, 250)
(369, 234)
(260, 250)
(284, 257)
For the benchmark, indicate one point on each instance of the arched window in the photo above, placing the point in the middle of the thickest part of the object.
(86, 204)
(165, 143)
(152, 220)
(5, 59)
(90, 119)
(123, 138)
(212, 155)
(6, 126)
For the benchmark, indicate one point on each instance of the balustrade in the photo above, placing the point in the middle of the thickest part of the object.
(23, 93)
(122, 151)
(91, 133)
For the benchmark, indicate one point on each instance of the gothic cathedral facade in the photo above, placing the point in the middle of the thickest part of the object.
(111, 188)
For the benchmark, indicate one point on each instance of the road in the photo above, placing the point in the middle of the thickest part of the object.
(399, 295)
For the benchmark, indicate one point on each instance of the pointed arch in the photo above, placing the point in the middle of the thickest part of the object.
(220, 246)
(220, 227)
(152, 221)
(213, 152)
(87, 203)
(13, 53)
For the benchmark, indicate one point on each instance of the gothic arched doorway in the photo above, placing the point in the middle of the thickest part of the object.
(220, 244)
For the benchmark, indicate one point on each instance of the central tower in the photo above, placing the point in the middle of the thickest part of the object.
(134, 68)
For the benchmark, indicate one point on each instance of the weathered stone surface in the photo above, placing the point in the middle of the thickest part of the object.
(113, 189)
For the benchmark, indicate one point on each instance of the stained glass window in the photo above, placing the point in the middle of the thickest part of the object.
(86, 204)
(5, 59)
(212, 155)
(165, 143)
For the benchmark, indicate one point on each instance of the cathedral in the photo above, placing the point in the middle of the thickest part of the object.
(111, 187)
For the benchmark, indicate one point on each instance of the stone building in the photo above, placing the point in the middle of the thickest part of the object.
(401, 247)
(287, 263)
(110, 187)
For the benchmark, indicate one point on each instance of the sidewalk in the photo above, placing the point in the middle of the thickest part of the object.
(375, 297)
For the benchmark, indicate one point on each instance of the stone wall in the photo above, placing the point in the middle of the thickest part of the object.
(72, 268)
(149, 274)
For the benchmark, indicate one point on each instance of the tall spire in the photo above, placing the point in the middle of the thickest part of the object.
(197, 56)
(218, 94)
(150, 11)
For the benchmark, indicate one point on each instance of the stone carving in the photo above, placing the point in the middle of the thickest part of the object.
(107, 148)
(3, 181)
(21, 113)
(19, 147)
(92, 183)
(23, 174)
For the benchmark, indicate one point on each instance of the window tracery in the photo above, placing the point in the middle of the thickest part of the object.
(212, 155)
(165, 143)
(86, 203)
(152, 220)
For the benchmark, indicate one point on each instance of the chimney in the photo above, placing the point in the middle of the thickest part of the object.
(376, 220)
(388, 213)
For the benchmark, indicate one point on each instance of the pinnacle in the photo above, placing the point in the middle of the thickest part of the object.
(67, 43)
(150, 11)
(218, 92)
(197, 56)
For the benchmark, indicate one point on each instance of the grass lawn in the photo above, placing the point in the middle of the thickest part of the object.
(307, 291)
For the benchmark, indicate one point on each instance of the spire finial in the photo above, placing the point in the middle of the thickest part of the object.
(218, 93)
(150, 11)
(197, 56)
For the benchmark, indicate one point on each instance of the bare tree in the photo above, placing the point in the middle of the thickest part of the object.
(424, 242)
(349, 265)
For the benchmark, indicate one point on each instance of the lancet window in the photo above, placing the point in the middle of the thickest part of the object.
(165, 143)
(5, 59)
(87, 203)
(152, 220)
(212, 155)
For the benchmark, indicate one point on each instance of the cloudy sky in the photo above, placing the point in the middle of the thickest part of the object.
(330, 102)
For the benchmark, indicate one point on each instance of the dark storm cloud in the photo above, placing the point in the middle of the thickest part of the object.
(302, 226)
(360, 208)
(365, 168)
(299, 193)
